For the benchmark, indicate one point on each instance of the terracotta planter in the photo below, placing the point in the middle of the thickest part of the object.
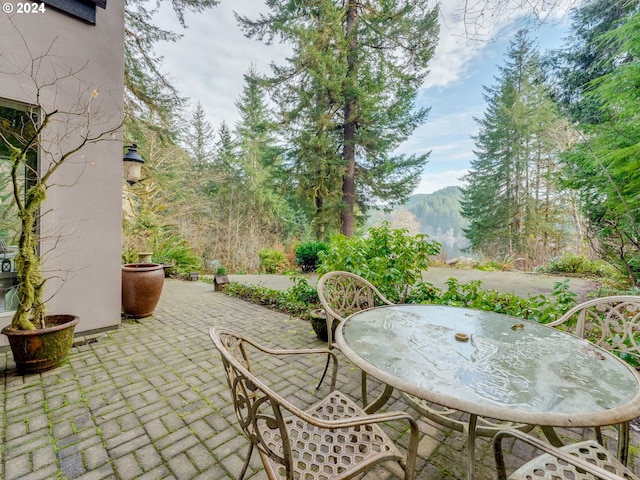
(43, 349)
(141, 288)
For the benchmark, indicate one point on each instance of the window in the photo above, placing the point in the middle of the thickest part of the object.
(17, 124)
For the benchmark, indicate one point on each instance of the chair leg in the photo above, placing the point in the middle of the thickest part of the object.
(499, 456)
(246, 462)
(598, 432)
(552, 436)
(324, 373)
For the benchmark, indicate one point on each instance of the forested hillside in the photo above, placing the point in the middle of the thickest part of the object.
(436, 214)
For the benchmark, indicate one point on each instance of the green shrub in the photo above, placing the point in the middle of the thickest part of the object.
(167, 248)
(307, 255)
(174, 250)
(490, 266)
(298, 300)
(272, 260)
(302, 298)
(392, 260)
(571, 263)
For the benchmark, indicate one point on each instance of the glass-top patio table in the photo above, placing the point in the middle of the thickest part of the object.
(492, 365)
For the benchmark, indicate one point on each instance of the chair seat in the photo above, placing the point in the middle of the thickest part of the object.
(320, 453)
(459, 421)
(549, 467)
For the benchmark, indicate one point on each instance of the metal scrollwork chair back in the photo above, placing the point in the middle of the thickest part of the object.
(342, 294)
(612, 323)
(586, 460)
(333, 439)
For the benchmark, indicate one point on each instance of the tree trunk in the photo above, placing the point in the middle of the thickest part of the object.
(350, 126)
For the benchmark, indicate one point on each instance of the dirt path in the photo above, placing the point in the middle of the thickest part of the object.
(519, 283)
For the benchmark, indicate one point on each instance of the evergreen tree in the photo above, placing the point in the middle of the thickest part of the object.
(200, 138)
(584, 57)
(148, 91)
(351, 83)
(603, 168)
(261, 161)
(225, 150)
(512, 199)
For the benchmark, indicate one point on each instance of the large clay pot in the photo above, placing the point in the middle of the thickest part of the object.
(40, 350)
(141, 288)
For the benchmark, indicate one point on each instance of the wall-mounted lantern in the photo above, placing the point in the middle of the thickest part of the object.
(132, 164)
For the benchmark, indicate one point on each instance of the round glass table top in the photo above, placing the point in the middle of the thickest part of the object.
(491, 364)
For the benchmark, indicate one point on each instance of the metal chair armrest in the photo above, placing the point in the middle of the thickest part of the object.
(331, 356)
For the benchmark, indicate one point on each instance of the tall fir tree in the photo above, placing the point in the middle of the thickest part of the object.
(583, 57)
(604, 167)
(200, 138)
(512, 199)
(351, 82)
(261, 161)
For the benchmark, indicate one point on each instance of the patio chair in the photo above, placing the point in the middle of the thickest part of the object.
(343, 294)
(579, 461)
(612, 323)
(333, 439)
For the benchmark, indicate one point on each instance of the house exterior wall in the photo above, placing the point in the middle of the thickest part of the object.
(81, 224)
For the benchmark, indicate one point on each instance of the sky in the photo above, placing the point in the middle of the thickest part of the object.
(208, 63)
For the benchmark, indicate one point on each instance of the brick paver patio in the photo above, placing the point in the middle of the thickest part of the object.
(149, 401)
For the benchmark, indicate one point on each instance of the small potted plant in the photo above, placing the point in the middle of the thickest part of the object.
(220, 278)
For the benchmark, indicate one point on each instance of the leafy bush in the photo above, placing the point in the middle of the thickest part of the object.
(301, 299)
(472, 295)
(571, 263)
(307, 255)
(490, 266)
(298, 300)
(390, 259)
(167, 248)
(272, 260)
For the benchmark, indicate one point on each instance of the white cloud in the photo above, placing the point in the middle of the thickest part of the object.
(432, 182)
(209, 62)
(464, 36)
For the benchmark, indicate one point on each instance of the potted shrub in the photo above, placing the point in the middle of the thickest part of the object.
(40, 341)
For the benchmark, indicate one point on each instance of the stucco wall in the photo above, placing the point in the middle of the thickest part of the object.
(81, 225)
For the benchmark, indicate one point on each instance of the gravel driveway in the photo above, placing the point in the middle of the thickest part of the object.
(519, 283)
